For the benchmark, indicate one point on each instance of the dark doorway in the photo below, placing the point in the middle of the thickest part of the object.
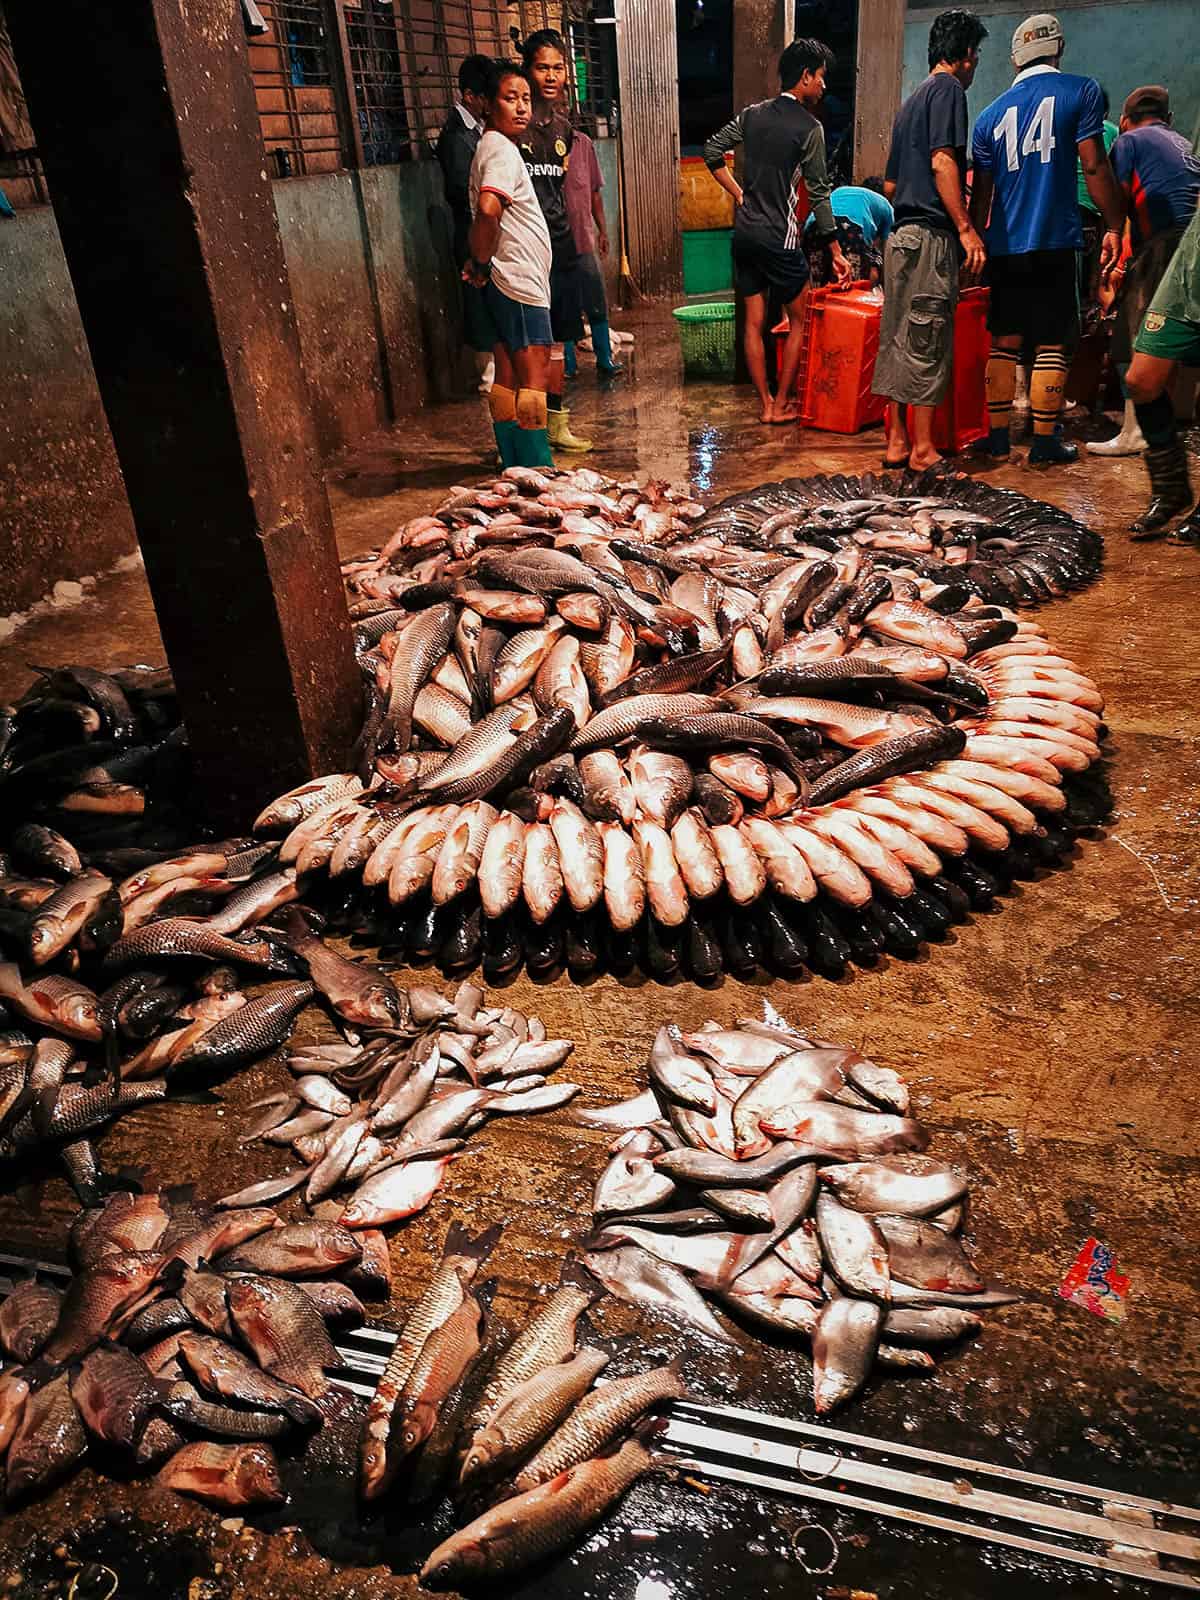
(836, 23)
(704, 29)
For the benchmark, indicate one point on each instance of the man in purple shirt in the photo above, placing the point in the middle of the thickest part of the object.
(583, 190)
(1159, 176)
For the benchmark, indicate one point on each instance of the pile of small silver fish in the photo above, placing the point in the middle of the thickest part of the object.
(1004, 547)
(386, 1117)
(519, 1429)
(784, 1178)
(603, 728)
(189, 1339)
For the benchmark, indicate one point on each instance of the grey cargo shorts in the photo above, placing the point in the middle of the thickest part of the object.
(916, 334)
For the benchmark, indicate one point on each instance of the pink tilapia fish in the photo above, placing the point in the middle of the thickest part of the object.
(844, 1131)
(395, 1193)
(231, 1475)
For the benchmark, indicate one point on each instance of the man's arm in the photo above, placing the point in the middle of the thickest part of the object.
(889, 189)
(816, 181)
(1105, 194)
(948, 182)
(717, 147)
(484, 236)
(600, 220)
(982, 187)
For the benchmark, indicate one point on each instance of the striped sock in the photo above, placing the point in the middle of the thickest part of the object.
(1047, 388)
(1001, 385)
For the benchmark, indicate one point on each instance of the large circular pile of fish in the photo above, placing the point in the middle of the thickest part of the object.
(600, 733)
(190, 1339)
(1002, 546)
(784, 1177)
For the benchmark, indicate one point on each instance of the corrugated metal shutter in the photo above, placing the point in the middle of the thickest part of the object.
(649, 77)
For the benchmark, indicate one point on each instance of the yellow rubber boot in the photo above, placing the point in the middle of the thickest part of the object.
(561, 438)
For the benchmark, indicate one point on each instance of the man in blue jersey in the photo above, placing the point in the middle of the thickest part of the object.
(1024, 149)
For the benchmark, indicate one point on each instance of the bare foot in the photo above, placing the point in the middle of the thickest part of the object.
(786, 413)
(767, 414)
(923, 463)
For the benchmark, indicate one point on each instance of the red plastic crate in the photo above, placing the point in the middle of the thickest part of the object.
(841, 341)
(962, 416)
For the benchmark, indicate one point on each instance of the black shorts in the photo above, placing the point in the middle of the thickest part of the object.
(566, 301)
(1035, 295)
(759, 268)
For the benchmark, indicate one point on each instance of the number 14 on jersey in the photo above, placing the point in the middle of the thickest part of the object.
(1039, 135)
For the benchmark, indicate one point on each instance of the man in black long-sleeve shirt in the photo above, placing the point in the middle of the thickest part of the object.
(455, 151)
(785, 181)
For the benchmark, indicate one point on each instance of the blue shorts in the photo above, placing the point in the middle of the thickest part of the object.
(512, 324)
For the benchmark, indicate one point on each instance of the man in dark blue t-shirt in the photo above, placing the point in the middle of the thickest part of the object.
(924, 182)
(1025, 150)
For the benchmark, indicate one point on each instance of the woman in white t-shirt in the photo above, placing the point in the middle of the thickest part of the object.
(509, 262)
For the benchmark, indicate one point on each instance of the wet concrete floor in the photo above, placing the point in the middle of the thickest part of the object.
(1052, 1046)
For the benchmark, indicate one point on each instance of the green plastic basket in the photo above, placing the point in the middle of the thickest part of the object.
(707, 339)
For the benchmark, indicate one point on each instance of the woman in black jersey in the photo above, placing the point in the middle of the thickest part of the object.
(547, 152)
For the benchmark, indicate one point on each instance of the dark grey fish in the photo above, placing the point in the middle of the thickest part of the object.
(180, 938)
(260, 1025)
(545, 738)
(911, 752)
(720, 730)
(618, 722)
(425, 642)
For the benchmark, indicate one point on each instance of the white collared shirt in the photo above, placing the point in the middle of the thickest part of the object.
(472, 122)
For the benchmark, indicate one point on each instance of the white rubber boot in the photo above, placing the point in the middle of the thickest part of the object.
(1129, 442)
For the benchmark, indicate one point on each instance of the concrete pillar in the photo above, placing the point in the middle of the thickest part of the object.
(648, 69)
(174, 250)
(760, 32)
(877, 89)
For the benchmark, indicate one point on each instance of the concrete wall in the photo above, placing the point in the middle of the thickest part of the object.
(63, 512)
(369, 259)
(1121, 43)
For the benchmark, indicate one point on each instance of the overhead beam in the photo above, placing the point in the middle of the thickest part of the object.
(877, 87)
(147, 128)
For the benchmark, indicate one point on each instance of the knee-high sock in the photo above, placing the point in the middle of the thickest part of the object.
(1047, 388)
(1156, 419)
(533, 442)
(502, 403)
(1001, 385)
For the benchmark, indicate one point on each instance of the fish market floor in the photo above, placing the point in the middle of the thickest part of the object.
(1051, 1045)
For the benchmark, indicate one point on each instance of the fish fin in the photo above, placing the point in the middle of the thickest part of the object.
(646, 1429)
(38, 1372)
(574, 1275)
(460, 1243)
(196, 1095)
(172, 1275)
